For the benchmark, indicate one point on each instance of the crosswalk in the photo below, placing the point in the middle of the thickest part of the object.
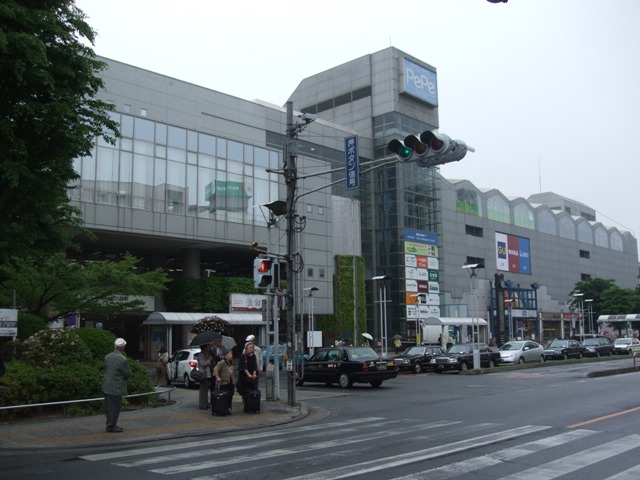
(381, 448)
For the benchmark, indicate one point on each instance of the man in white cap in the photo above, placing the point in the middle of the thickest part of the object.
(257, 351)
(114, 384)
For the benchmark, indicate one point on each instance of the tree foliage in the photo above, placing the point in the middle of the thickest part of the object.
(55, 286)
(48, 117)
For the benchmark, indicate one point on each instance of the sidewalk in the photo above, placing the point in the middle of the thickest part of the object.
(180, 419)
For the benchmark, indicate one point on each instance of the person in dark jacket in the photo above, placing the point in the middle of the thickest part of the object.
(114, 384)
(247, 373)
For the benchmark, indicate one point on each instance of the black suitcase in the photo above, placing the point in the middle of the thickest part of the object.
(220, 403)
(252, 401)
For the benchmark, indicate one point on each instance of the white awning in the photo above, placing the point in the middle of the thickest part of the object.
(186, 318)
(454, 321)
(632, 317)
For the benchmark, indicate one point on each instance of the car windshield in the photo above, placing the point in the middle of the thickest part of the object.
(591, 341)
(361, 353)
(414, 351)
(558, 344)
(623, 341)
(459, 348)
(512, 346)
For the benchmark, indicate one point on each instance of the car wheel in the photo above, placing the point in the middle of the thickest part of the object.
(376, 383)
(345, 381)
(464, 366)
(521, 360)
(542, 359)
(417, 367)
(492, 363)
(187, 381)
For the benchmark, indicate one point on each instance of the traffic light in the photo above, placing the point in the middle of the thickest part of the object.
(430, 149)
(262, 273)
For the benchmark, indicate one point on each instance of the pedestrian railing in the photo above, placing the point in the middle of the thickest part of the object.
(157, 391)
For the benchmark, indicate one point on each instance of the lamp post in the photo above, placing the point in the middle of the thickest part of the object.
(473, 274)
(590, 310)
(312, 327)
(382, 299)
(417, 297)
(510, 301)
(580, 310)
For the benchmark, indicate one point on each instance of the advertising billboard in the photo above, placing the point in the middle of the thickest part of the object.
(513, 254)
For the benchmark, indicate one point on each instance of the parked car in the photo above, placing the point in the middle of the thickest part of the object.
(179, 368)
(417, 358)
(598, 346)
(460, 357)
(346, 366)
(624, 346)
(562, 349)
(521, 352)
(581, 337)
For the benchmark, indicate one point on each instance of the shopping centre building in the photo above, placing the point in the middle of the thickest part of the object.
(187, 185)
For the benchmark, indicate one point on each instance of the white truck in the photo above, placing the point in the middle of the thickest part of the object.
(437, 335)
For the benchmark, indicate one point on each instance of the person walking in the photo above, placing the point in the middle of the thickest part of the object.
(204, 365)
(114, 384)
(247, 373)
(161, 367)
(223, 373)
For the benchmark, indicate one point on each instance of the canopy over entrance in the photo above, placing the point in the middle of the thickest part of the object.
(456, 321)
(186, 318)
(632, 317)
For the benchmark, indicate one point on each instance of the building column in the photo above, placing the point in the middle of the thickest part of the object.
(191, 264)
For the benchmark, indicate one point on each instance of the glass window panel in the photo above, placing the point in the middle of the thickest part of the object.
(207, 160)
(126, 144)
(616, 242)
(88, 168)
(126, 167)
(274, 160)
(192, 158)
(143, 170)
(126, 126)
(177, 154)
(261, 157)
(161, 151)
(234, 167)
(523, 216)
(192, 141)
(176, 174)
(567, 228)
(177, 137)
(602, 240)
(585, 232)
(161, 133)
(142, 147)
(221, 164)
(107, 165)
(207, 144)
(192, 190)
(248, 170)
(160, 173)
(234, 151)
(144, 129)
(221, 148)
(260, 172)
(248, 154)
(497, 209)
(206, 191)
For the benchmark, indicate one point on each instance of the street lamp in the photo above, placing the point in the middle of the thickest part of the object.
(310, 334)
(472, 269)
(510, 301)
(590, 310)
(580, 310)
(382, 300)
(417, 297)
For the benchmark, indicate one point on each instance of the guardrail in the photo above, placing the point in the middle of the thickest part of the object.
(157, 391)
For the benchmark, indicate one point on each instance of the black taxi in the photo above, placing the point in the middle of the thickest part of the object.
(346, 366)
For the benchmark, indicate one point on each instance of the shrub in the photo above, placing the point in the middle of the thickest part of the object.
(23, 384)
(51, 348)
(29, 324)
(98, 341)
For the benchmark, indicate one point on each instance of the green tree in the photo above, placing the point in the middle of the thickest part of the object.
(48, 117)
(55, 286)
(591, 289)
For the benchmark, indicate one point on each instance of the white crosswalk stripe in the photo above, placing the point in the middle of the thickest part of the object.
(335, 450)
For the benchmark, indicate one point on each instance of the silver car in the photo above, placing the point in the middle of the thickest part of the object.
(521, 352)
(179, 368)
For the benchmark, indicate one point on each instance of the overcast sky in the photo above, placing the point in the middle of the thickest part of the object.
(547, 91)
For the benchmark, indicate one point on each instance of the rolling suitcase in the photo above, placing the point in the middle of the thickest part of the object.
(220, 403)
(252, 401)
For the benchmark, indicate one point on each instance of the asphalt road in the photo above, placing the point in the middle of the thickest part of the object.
(534, 424)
